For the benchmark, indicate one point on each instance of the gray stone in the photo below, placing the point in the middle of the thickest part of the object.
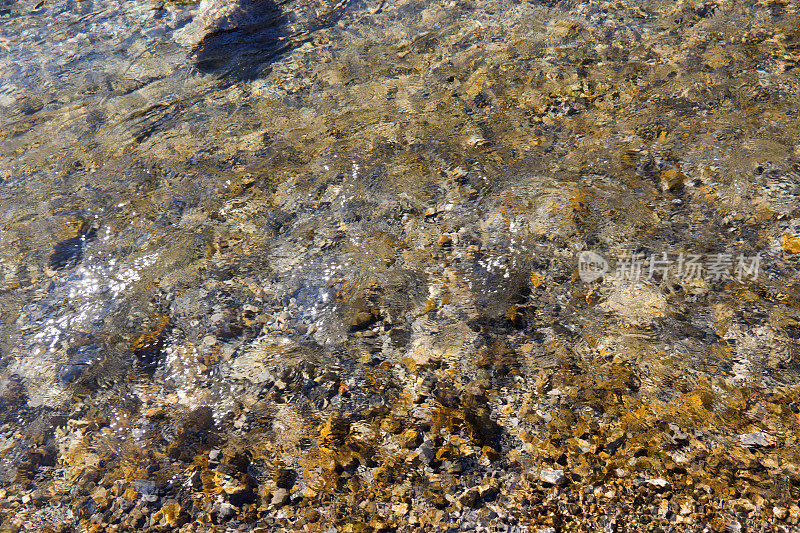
(552, 477)
(658, 483)
(757, 438)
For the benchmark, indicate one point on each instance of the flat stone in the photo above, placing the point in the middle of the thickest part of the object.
(659, 483)
(552, 477)
(280, 497)
(757, 438)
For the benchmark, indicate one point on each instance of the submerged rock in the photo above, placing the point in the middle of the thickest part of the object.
(756, 439)
(239, 38)
(552, 477)
(235, 37)
(227, 16)
(69, 252)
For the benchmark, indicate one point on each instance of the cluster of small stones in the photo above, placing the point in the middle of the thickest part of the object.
(476, 462)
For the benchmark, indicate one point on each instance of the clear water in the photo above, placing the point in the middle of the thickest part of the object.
(187, 219)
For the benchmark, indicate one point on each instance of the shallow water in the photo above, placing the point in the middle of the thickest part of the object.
(290, 227)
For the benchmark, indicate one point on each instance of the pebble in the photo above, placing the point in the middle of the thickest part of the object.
(552, 477)
(780, 512)
(280, 497)
(658, 483)
(754, 439)
(226, 512)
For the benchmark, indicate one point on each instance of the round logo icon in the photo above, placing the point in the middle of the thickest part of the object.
(591, 266)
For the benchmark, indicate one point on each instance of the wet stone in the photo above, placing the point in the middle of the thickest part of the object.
(552, 477)
(756, 439)
(280, 497)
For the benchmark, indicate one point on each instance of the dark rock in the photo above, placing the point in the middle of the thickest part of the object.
(68, 253)
(471, 498)
(285, 478)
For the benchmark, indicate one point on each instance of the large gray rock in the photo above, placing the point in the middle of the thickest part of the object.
(217, 16)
